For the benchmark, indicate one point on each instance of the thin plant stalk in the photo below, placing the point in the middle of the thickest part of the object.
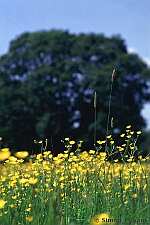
(109, 106)
(95, 115)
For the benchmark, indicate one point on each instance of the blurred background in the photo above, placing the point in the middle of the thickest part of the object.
(54, 55)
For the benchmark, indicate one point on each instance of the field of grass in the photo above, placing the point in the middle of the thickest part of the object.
(76, 188)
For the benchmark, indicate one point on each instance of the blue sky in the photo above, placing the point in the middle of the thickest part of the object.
(130, 18)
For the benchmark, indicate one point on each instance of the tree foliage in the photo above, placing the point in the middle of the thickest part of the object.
(47, 84)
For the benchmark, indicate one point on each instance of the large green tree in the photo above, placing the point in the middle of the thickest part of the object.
(47, 84)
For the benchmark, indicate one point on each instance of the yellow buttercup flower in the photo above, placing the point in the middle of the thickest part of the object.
(128, 136)
(13, 206)
(103, 154)
(12, 159)
(71, 142)
(66, 139)
(120, 149)
(2, 203)
(29, 218)
(33, 180)
(109, 136)
(134, 195)
(101, 142)
(126, 187)
(21, 154)
(4, 154)
(14, 197)
(92, 152)
(5, 149)
(28, 209)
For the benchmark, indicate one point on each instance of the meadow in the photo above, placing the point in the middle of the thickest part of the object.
(76, 187)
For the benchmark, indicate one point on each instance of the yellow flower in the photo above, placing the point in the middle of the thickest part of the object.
(126, 187)
(102, 156)
(12, 206)
(124, 145)
(134, 195)
(126, 202)
(122, 135)
(140, 157)
(102, 219)
(133, 164)
(2, 203)
(128, 127)
(101, 142)
(23, 181)
(28, 209)
(4, 154)
(71, 142)
(14, 197)
(108, 137)
(129, 160)
(12, 159)
(120, 149)
(33, 180)
(66, 139)
(47, 153)
(5, 149)
(61, 178)
(92, 152)
(116, 160)
(138, 132)
(29, 218)
(128, 136)
(39, 157)
(21, 154)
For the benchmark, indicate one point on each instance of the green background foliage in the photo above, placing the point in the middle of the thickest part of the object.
(47, 84)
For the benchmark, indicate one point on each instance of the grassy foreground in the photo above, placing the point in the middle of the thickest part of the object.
(75, 188)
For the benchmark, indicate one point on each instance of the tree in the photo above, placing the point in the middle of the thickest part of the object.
(47, 84)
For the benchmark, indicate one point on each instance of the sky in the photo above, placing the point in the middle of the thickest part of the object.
(129, 18)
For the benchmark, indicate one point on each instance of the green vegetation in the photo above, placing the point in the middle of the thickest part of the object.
(47, 84)
(76, 188)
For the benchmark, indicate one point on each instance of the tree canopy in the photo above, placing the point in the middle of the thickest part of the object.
(48, 80)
